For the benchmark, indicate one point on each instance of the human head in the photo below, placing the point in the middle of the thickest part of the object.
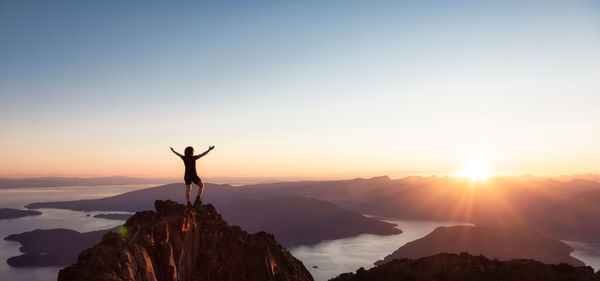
(189, 151)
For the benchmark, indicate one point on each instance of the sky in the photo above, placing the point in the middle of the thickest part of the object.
(307, 89)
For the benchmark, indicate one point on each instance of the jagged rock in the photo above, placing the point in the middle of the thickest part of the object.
(466, 267)
(181, 243)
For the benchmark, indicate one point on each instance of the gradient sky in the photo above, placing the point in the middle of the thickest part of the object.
(298, 88)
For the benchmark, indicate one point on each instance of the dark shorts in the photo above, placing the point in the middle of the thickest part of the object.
(192, 179)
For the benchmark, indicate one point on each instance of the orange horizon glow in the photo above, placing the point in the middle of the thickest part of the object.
(281, 162)
(471, 170)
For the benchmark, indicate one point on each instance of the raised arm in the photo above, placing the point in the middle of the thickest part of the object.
(175, 152)
(205, 152)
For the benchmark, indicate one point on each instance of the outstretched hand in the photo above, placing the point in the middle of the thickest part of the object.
(211, 147)
(171, 148)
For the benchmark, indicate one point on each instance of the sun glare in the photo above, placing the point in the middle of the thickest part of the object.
(477, 168)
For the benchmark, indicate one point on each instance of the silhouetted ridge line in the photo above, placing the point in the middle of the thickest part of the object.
(75, 181)
(552, 207)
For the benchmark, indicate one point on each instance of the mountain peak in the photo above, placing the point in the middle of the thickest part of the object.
(180, 243)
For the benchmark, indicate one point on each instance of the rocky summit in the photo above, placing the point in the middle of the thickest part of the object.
(176, 242)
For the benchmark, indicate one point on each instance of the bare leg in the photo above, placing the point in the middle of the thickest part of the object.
(200, 188)
(188, 192)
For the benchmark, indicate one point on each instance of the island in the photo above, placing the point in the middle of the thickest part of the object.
(119, 217)
(53, 247)
(467, 267)
(503, 243)
(7, 213)
(296, 220)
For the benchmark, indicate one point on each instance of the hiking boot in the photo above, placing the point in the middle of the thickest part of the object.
(189, 205)
(197, 202)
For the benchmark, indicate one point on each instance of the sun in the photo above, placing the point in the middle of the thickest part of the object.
(477, 168)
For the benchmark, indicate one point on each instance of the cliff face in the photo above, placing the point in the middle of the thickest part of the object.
(177, 243)
(470, 268)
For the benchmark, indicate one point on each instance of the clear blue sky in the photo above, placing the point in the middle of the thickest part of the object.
(299, 88)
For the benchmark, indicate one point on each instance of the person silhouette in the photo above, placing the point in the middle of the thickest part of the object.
(189, 160)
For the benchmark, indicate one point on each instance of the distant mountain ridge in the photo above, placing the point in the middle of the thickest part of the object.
(574, 218)
(588, 177)
(75, 181)
(499, 201)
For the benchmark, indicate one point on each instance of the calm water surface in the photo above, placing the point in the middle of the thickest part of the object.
(346, 255)
(328, 259)
(50, 218)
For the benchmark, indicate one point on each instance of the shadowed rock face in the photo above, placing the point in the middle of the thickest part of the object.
(177, 243)
(465, 267)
